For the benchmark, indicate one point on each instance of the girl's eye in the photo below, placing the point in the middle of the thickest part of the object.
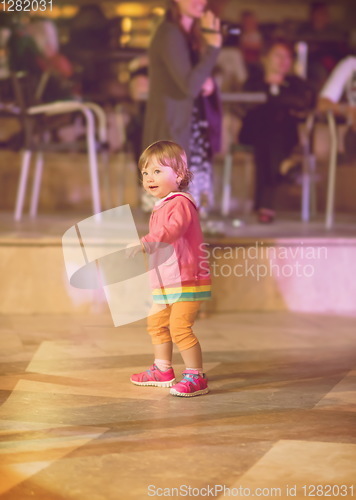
(157, 171)
(144, 173)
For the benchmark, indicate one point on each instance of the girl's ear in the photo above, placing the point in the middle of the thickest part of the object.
(179, 180)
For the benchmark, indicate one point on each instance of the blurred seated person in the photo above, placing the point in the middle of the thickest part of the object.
(342, 81)
(251, 41)
(34, 48)
(50, 60)
(326, 43)
(271, 128)
(230, 72)
(45, 35)
(138, 91)
(23, 51)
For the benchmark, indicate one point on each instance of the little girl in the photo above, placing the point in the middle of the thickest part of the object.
(174, 221)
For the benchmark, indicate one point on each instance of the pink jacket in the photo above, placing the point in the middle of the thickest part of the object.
(175, 221)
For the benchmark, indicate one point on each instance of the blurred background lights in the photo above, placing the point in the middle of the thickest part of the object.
(132, 9)
(126, 25)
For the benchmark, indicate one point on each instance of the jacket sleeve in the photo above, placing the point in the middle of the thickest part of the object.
(175, 56)
(176, 223)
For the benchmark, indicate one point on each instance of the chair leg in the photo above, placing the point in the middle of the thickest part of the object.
(313, 200)
(93, 161)
(106, 177)
(330, 197)
(21, 191)
(104, 153)
(226, 188)
(305, 215)
(122, 162)
(36, 184)
(305, 198)
(246, 184)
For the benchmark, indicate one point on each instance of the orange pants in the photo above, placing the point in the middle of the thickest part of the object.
(174, 324)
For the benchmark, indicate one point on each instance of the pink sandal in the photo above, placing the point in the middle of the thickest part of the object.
(154, 376)
(192, 384)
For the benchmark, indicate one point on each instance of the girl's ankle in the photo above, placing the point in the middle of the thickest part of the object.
(163, 364)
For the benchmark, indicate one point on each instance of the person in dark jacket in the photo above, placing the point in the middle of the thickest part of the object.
(272, 127)
(183, 104)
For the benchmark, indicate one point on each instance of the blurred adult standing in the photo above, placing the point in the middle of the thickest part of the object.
(91, 36)
(183, 103)
(89, 28)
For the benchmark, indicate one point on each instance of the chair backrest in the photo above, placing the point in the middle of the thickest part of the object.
(16, 95)
(19, 89)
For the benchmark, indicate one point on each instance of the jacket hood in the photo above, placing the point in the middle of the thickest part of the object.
(174, 194)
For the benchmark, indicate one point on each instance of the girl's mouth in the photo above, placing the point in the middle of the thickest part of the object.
(153, 187)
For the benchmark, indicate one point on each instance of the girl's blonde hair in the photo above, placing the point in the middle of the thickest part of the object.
(167, 154)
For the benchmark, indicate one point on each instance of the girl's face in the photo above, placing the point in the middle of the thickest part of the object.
(193, 9)
(159, 180)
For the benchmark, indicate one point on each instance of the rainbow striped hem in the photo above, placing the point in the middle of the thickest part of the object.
(181, 294)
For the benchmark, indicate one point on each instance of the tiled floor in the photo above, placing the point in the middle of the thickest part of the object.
(49, 228)
(281, 414)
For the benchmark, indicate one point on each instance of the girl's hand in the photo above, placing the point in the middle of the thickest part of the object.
(208, 87)
(210, 25)
(132, 250)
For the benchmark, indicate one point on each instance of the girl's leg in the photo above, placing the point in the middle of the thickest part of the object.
(194, 382)
(193, 357)
(160, 374)
(163, 353)
(158, 328)
(158, 324)
(182, 318)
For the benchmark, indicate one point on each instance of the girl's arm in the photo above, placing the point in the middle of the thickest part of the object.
(177, 222)
(175, 55)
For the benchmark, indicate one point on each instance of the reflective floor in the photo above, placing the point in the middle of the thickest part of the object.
(280, 418)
